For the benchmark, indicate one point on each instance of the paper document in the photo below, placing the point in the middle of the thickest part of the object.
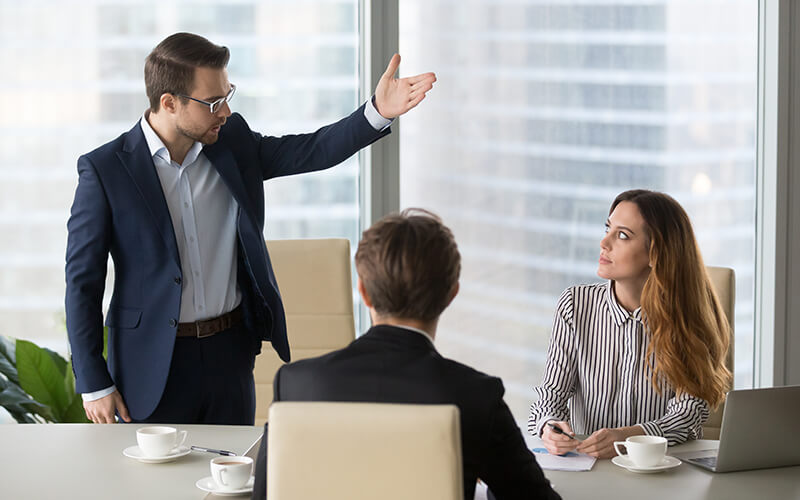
(572, 461)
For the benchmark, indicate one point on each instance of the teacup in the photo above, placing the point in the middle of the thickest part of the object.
(158, 441)
(644, 451)
(231, 473)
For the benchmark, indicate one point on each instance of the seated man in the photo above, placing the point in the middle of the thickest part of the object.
(408, 266)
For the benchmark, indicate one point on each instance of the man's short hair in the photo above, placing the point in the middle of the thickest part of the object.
(409, 265)
(169, 69)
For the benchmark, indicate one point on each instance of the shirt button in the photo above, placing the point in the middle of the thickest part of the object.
(173, 322)
(185, 204)
(177, 280)
(191, 238)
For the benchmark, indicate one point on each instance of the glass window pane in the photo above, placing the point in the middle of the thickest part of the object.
(542, 113)
(76, 82)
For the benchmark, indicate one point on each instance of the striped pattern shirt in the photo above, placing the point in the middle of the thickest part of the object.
(596, 376)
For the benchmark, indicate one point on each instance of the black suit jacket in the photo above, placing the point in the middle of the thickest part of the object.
(396, 365)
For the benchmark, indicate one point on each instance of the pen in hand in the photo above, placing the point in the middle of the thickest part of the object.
(559, 430)
(212, 450)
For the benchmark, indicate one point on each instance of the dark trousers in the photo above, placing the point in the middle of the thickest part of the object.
(210, 381)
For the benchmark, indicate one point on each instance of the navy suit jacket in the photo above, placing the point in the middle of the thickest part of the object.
(394, 365)
(120, 210)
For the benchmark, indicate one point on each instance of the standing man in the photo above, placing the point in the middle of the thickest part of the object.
(408, 266)
(178, 203)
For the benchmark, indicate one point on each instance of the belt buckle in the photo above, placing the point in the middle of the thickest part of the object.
(197, 331)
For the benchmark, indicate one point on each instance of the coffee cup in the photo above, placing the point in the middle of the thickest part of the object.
(231, 473)
(158, 440)
(643, 451)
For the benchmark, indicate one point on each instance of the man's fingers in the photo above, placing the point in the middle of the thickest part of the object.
(420, 90)
(123, 411)
(424, 77)
(413, 102)
(394, 63)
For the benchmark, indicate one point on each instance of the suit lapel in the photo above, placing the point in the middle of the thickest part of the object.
(136, 159)
(223, 160)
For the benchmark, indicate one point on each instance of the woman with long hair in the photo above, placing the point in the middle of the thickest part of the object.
(644, 352)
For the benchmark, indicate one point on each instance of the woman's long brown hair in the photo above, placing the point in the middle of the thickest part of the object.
(690, 334)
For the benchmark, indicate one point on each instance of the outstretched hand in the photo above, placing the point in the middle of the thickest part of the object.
(395, 96)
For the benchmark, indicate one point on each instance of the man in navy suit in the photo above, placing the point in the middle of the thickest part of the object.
(178, 203)
(408, 269)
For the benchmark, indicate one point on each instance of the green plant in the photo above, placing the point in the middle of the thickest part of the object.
(37, 384)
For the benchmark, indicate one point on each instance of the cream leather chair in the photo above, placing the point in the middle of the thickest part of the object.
(366, 451)
(317, 291)
(724, 282)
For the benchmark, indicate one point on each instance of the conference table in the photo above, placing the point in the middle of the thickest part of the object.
(65, 461)
(685, 482)
(85, 461)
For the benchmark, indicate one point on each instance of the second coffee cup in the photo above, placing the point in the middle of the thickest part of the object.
(643, 451)
(231, 473)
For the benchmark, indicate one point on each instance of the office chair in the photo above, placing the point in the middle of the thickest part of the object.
(317, 291)
(724, 281)
(364, 451)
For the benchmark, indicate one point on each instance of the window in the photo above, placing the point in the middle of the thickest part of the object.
(543, 112)
(75, 81)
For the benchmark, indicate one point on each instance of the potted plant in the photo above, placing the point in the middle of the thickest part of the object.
(37, 385)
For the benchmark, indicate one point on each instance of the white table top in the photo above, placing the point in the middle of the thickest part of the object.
(85, 461)
(685, 482)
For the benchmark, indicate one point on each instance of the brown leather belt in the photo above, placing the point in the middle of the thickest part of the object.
(208, 327)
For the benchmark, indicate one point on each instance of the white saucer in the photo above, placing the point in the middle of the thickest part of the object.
(208, 484)
(627, 463)
(135, 453)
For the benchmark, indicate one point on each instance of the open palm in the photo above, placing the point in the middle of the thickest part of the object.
(395, 96)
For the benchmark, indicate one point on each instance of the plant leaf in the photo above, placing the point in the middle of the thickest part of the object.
(60, 362)
(8, 362)
(22, 418)
(105, 342)
(18, 403)
(39, 376)
(75, 414)
(69, 379)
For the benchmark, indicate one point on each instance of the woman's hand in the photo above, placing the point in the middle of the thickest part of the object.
(601, 443)
(558, 444)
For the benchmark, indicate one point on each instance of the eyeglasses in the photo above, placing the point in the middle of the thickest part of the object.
(216, 105)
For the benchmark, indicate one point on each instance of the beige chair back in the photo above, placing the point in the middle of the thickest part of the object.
(364, 451)
(317, 290)
(724, 282)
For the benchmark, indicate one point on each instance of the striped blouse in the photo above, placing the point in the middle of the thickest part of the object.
(596, 376)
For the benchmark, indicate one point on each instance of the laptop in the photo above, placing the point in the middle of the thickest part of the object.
(760, 429)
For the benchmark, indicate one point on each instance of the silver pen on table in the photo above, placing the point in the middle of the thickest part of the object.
(212, 450)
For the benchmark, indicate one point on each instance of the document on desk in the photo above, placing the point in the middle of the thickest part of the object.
(572, 461)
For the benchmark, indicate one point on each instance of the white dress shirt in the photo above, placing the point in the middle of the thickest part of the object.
(596, 375)
(203, 213)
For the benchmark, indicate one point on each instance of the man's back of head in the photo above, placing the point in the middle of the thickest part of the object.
(408, 265)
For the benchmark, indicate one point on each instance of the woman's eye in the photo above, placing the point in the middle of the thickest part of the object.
(623, 236)
(606, 230)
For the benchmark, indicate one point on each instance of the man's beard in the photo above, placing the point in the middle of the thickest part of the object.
(204, 139)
